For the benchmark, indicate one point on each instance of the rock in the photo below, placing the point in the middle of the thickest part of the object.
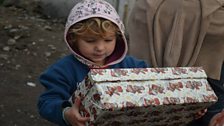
(21, 46)
(32, 116)
(33, 43)
(13, 30)
(17, 37)
(11, 42)
(6, 48)
(18, 110)
(1, 64)
(52, 47)
(29, 76)
(47, 54)
(31, 84)
(17, 32)
(56, 8)
(22, 27)
(34, 54)
(41, 40)
(8, 27)
(8, 3)
(47, 27)
(17, 66)
(4, 56)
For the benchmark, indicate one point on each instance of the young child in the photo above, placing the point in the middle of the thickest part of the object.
(95, 35)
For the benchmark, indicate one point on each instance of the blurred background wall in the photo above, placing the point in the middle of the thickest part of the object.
(61, 8)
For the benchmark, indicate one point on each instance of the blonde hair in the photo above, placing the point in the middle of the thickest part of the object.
(96, 26)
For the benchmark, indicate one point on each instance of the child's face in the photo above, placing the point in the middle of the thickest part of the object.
(96, 48)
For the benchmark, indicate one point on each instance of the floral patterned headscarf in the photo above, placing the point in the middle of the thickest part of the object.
(97, 8)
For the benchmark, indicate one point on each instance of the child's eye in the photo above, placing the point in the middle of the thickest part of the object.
(90, 40)
(108, 40)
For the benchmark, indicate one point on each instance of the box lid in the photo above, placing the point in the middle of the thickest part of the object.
(144, 74)
(106, 90)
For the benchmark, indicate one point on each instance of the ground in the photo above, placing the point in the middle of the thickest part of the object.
(29, 42)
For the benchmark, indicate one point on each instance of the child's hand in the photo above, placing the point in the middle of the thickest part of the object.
(218, 119)
(73, 116)
(200, 113)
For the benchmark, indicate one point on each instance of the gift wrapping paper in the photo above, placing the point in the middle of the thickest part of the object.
(144, 96)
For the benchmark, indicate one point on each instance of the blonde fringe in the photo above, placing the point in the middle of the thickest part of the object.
(96, 26)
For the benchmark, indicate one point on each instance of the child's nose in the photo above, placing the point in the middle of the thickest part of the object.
(100, 46)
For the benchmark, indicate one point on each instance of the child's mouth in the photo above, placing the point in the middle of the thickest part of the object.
(100, 55)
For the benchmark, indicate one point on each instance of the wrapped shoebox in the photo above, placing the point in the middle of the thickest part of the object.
(144, 96)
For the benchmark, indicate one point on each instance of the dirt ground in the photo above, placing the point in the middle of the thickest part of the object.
(29, 42)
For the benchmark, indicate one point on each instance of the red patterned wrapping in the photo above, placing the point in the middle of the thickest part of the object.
(144, 96)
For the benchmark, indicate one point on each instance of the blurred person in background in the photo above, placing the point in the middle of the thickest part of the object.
(182, 33)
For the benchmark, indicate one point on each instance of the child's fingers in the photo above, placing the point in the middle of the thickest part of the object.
(77, 101)
(220, 119)
(213, 121)
(79, 119)
(83, 119)
(221, 123)
(217, 120)
(78, 115)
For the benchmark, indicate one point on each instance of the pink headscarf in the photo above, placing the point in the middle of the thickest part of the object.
(97, 8)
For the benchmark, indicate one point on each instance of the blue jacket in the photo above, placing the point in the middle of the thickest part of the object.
(60, 81)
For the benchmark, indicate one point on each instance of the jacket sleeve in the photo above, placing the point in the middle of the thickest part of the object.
(58, 89)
